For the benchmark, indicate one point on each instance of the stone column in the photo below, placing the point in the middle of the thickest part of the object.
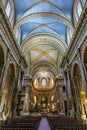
(11, 92)
(28, 85)
(5, 70)
(67, 89)
(82, 72)
(57, 93)
(15, 97)
(60, 100)
(77, 100)
(19, 85)
(16, 89)
(2, 73)
(71, 90)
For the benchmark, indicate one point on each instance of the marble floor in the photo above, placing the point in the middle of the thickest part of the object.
(44, 125)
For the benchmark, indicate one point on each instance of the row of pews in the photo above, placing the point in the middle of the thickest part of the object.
(66, 123)
(22, 123)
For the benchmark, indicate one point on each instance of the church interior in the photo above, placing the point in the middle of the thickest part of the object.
(43, 64)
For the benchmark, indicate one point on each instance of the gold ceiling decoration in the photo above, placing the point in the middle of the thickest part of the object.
(43, 0)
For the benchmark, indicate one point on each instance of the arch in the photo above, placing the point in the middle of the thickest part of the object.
(46, 67)
(85, 58)
(80, 92)
(45, 39)
(43, 14)
(7, 91)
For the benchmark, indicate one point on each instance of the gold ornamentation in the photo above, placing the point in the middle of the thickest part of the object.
(43, 0)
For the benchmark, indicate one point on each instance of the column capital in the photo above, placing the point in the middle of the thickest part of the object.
(78, 52)
(68, 67)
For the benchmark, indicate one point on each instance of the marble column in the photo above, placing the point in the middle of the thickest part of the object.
(5, 70)
(28, 85)
(72, 90)
(2, 73)
(67, 88)
(82, 72)
(16, 89)
(15, 97)
(11, 92)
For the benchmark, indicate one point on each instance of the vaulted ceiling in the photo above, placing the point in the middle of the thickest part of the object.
(43, 26)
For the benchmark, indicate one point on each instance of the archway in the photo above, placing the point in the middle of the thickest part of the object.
(85, 59)
(7, 93)
(80, 93)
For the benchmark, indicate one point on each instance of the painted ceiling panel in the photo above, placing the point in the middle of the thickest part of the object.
(34, 25)
(22, 5)
(65, 5)
(43, 53)
(43, 29)
(60, 28)
(54, 26)
(53, 54)
(41, 7)
(44, 58)
(26, 28)
(44, 17)
(34, 54)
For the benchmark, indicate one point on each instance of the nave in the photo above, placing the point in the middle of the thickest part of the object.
(43, 64)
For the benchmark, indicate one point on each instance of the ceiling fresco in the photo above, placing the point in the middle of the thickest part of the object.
(44, 25)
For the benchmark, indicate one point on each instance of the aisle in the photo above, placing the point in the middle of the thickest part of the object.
(44, 125)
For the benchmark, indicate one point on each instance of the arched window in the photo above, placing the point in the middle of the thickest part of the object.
(10, 12)
(44, 83)
(8, 9)
(17, 35)
(78, 11)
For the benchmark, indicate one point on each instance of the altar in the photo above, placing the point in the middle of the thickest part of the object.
(44, 111)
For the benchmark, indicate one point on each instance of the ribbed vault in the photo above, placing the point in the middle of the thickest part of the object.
(44, 25)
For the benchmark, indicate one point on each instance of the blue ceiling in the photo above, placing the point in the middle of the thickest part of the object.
(43, 23)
